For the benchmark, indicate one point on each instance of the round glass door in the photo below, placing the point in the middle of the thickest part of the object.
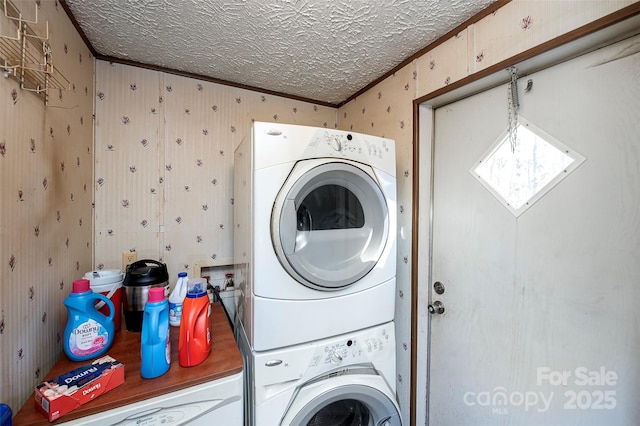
(344, 412)
(329, 224)
(344, 405)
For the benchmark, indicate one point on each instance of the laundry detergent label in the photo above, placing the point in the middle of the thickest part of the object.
(175, 311)
(87, 338)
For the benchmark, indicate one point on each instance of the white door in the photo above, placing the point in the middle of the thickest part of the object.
(542, 311)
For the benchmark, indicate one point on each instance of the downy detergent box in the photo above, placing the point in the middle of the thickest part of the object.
(56, 397)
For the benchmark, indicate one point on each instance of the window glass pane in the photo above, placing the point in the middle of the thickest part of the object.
(521, 176)
(330, 207)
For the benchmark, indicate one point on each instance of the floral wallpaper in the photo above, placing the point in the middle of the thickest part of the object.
(522, 25)
(514, 28)
(386, 110)
(46, 219)
(164, 163)
(155, 176)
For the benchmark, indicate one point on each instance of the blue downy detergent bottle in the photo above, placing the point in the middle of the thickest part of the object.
(5, 415)
(155, 343)
(88, 333)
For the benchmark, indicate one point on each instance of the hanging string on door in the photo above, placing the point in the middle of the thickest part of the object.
(513, 103)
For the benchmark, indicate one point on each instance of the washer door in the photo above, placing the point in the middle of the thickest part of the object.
(344, 401)
(330, 223)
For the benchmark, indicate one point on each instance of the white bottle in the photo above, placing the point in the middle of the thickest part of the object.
(176, 298)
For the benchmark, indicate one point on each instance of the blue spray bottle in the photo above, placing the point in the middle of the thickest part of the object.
(155, 342)
(88, 333)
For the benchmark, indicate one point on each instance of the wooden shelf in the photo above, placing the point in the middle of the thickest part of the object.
(223, 361)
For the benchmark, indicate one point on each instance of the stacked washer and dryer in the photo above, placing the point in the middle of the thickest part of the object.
(315, 253)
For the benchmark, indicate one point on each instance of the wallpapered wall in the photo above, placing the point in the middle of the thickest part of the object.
(164, 148)
(46, 236)
(386, 110)
(163, 164)
(516, 27)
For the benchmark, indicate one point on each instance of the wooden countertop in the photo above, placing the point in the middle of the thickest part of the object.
(224, 360)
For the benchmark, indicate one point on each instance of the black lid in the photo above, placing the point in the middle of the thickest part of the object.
(146, 272)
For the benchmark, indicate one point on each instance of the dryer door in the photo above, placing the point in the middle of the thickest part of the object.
(343, 401)
(330, 223)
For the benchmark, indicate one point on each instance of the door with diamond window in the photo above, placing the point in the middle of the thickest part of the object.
(538, 322)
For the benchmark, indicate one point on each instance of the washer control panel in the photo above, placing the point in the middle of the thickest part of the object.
(375, 346)
(361, 347)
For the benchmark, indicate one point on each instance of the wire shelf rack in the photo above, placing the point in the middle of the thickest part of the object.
(27, 56)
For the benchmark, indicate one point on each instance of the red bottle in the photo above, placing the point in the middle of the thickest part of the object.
(195, 327)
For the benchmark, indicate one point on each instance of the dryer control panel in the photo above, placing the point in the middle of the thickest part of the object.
(341, 143)
(337, 143)
(284, 143)
(355, 146)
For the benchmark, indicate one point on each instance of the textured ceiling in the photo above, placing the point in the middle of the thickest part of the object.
(323, 50)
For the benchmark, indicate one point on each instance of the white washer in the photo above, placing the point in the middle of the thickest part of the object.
(345, 380)
(216, 402)
(315, 233)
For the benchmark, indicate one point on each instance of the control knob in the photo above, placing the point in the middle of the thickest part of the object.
(336, 144)
(337, 355)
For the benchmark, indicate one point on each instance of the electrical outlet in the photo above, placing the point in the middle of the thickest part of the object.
(128, 257)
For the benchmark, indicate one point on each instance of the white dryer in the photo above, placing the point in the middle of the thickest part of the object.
(315, 233)
(341, 381)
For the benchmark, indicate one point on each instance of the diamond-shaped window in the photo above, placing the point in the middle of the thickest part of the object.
(521, 177)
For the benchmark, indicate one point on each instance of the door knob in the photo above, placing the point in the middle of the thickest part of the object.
(436, 308)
